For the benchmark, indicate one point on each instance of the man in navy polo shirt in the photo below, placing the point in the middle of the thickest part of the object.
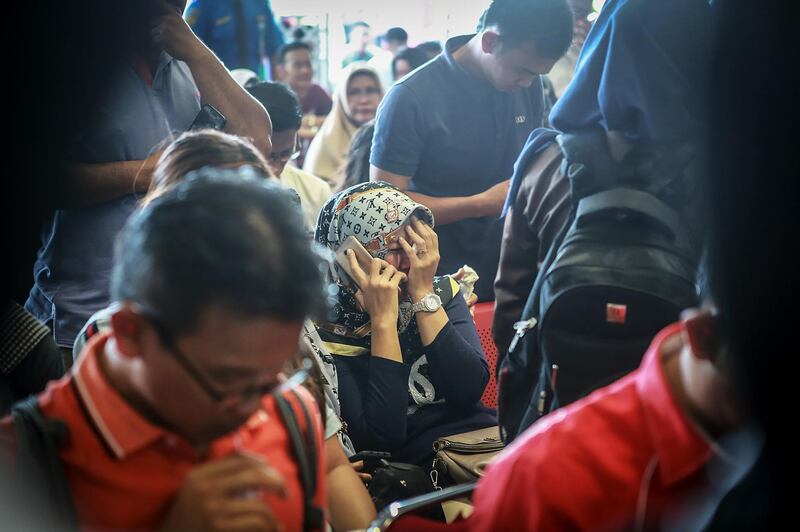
(155, 95)
(448, 134)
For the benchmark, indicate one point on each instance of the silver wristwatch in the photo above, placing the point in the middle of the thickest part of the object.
(430, 302)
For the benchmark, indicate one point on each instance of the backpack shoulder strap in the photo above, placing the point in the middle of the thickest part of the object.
(38, 440)
(634, 201)
(305, 452)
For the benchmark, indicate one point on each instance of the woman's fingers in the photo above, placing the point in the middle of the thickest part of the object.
(415, 237)
(427, 233)
(375, 267)
(397, 278)
(359, 276)
(387, 272)
(412, 255)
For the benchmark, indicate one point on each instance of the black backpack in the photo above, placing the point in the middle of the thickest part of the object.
(620, 270)
(38, 478)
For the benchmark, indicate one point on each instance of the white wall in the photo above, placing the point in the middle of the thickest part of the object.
(424, 20)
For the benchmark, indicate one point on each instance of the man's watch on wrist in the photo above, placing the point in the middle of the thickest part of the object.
(430, 302)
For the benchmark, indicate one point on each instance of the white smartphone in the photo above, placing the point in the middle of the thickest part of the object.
(363, 257)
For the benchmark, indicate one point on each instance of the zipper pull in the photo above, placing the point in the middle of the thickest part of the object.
(521, 328)
(540, 404)
(553, 376)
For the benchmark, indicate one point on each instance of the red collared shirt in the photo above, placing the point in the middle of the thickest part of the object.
(625, 457)
(124, 472)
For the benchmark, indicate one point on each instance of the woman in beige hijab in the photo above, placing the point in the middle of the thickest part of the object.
(354, 103)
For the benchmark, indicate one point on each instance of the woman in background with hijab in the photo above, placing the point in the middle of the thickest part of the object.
(355, 103)
(409, 360)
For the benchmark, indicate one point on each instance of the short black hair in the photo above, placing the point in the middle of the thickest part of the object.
(415, 57)
(432, 48)
(222, 237)
(350, 27)
(546, 23)
(289, 47)
(280, 102)
(397, 34)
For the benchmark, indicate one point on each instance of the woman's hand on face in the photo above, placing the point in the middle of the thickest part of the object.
(423, 261)
(378, 290)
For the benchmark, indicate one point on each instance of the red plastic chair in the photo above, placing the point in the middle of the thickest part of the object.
(483, 323)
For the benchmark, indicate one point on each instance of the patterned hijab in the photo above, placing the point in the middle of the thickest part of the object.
(375, 213)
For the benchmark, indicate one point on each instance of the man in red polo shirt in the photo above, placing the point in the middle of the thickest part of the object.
(170, 424)
(632, 455)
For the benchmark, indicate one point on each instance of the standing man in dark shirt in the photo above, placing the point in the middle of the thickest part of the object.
(243, 33)
(153, 95)
(449, 133)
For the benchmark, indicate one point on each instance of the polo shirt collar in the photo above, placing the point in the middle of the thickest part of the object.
(471, 84)
(123, 430)
(682, 448)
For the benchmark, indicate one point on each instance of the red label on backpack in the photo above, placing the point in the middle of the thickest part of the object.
(616, 313)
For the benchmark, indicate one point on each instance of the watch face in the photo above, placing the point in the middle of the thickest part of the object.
(431, 302)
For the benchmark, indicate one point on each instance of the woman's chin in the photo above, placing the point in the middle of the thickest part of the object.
(363, 118)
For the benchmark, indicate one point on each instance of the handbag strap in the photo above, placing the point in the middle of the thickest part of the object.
(305, 452)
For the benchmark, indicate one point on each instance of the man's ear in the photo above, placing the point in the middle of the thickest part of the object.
(490, 41)
(128, 328)
(280, 72)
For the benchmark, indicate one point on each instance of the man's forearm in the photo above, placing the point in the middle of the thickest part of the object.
(445, 209)
(451, 209)
(88, 184)
(246, 117)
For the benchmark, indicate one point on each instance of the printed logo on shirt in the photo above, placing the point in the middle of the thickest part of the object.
(520, 119)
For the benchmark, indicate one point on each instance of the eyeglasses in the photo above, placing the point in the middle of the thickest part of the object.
(285, 156)
(223, 398)
(363, 91)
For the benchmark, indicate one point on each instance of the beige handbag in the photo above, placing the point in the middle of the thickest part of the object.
(463, 457)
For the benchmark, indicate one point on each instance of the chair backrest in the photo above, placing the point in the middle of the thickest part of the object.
(483, 323)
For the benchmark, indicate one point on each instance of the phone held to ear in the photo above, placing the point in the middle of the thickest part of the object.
(363, 258)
